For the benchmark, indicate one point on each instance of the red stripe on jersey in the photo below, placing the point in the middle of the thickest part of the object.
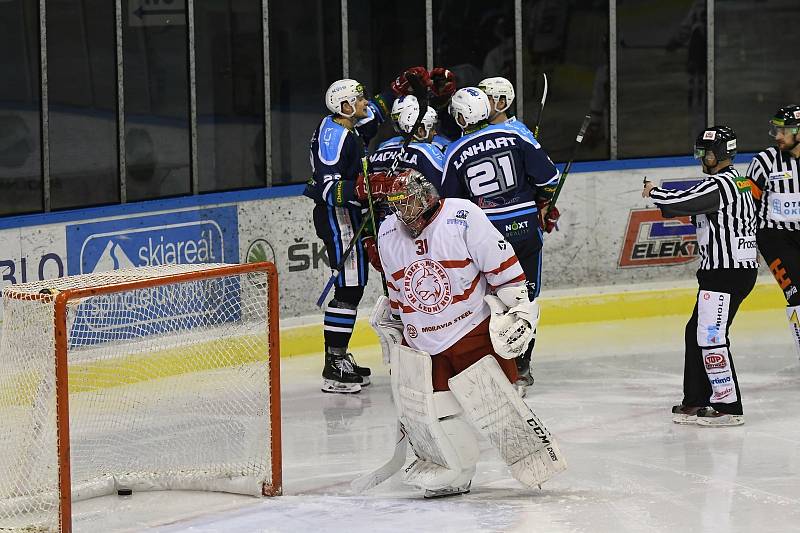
(508, 263)
(467, 293)
(455, 263)
(399, 274)
(519, 278)
(389, 285)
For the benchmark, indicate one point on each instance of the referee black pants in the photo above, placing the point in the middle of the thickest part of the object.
(709, 375)
(781, 251)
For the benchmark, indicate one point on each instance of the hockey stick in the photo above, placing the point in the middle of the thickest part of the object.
(421, 89)
(541, 107)
(384, 472)
(578, 141)
(371, 207)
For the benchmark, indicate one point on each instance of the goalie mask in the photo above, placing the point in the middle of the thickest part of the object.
(409, 117)
(414, 200)
(342, 91)
(496, 88)
(469, 106)
(404, 103)
(717, 140)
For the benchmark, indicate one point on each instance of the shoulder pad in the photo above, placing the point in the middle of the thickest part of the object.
(331, 139)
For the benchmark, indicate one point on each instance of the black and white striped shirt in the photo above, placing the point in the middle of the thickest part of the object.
(776, 176)
(723, 210)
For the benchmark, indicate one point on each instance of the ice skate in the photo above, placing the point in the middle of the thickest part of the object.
(447, 491)
(685, 414)
(362, 371)
(710, 417)
(524, 378)
(338, 374)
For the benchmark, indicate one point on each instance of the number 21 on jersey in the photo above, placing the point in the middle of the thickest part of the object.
(491, 175)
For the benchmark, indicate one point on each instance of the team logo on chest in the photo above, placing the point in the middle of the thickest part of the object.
(427, 287)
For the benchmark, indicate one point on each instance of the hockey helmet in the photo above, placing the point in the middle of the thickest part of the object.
(342, 91)
(410, 197)
(409, 117)
(719, 140)
(401, 104)
(495, 88)
(469, 106)
(785, 118)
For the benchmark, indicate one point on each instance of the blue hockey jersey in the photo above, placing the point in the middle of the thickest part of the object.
(504, 170)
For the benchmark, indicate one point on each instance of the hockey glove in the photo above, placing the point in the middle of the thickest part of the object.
(380, 184)
(513, 321)
(403, 86)
(372, 253)
(443, 84)
(548, 217)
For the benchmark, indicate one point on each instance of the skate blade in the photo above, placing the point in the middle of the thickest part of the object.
(340, 388)
(449, 491)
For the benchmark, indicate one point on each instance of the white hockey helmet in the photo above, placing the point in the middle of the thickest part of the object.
(409, 117)
(342, 91)
(469, 106)
(410, 197)
(495, 88)
(401, 104)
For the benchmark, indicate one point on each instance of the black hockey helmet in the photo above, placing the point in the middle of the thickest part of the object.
(719, 140)
(787, 116)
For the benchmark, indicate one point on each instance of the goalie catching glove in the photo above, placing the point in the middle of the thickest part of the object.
(513, 321)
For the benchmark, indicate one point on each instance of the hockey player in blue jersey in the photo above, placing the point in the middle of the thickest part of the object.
(420, 154)
(504, 170)
(338, 190)
(501, 96)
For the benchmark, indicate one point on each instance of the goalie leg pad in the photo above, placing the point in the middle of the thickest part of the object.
(496, 410)
(443, 442)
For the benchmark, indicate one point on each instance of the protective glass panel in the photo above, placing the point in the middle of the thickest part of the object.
(82, 91)
(567, 41)
(155, 54)
(375, 30)
(755, 67)
(20, 130)
(230, 94)
(662, 76)
(305, 58)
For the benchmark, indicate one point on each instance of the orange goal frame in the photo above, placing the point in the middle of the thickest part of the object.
(273, 487)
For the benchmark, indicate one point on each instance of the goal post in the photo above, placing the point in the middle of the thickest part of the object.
(152, 378)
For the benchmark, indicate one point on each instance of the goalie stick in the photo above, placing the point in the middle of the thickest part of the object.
(578, 141)
(422, 90)
(384, 472)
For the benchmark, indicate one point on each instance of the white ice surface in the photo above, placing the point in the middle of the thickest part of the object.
(603, 389)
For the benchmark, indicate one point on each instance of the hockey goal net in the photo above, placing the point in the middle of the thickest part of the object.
(151, 378)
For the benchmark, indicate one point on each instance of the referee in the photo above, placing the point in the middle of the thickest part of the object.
(775, 174)
(723, 211)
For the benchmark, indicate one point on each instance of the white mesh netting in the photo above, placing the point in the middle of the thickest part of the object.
(169, 388)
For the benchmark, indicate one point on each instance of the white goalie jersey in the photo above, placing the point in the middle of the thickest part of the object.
(437, 280)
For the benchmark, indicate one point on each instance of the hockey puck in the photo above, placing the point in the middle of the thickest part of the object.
(124, 492)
